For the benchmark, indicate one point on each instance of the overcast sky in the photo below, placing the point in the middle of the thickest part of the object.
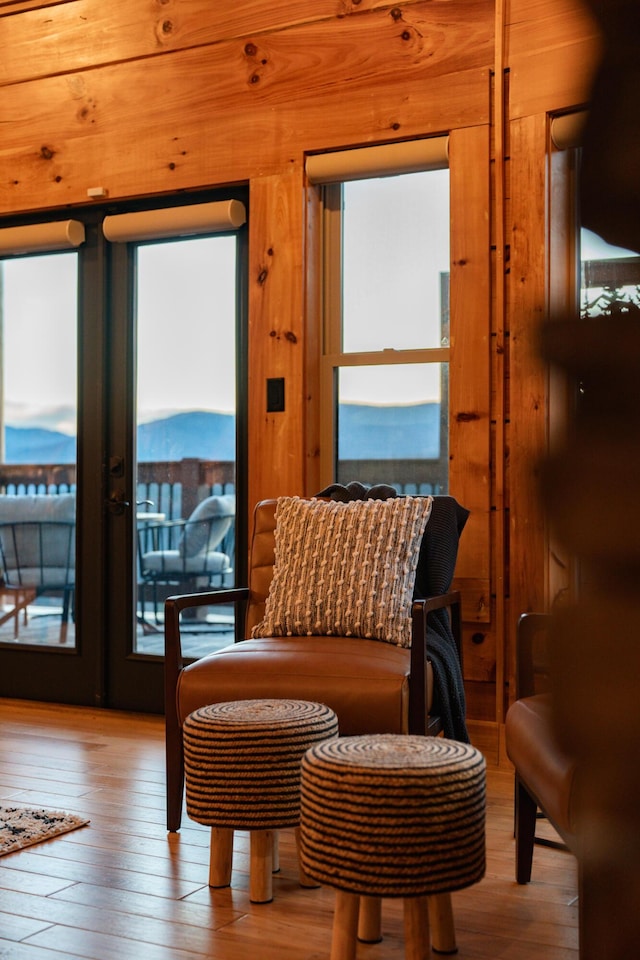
(186, 333)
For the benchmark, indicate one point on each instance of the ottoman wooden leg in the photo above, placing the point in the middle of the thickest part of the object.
(345, 926)
(260, 864)
(443, 931)
(370, 920)
(220, 857)
(417, 944)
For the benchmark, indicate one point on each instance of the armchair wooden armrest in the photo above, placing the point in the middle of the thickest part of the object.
(174, 664)
(174, 606)
(532, 657)
(419, 721)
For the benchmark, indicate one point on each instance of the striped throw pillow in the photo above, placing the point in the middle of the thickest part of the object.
(345, 569)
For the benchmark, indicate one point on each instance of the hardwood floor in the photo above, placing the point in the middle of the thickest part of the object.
(123, 888)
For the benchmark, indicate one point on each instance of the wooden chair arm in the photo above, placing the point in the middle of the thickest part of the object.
(532, 659)
(173, 666)
(174, 606)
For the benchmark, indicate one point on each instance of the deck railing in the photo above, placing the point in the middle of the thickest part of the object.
(37, 477)
(175, 487)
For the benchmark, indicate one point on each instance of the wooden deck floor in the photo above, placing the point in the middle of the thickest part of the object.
(40, 628)
(122, 888)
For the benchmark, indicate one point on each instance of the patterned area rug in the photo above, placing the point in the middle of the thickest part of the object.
(22, 827)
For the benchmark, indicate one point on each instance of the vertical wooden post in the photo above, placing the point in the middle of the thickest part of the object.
(190, 469)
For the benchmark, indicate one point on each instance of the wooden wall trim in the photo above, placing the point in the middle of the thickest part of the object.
(470, 397)
(314, 332)
(276, 335)
(498, 351)
(528, 378)
(469, 450)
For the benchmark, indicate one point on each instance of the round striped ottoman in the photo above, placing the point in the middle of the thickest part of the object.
(242, 771)
(393, 816)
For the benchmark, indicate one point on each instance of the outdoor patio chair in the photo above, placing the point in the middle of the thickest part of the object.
(186, 554)
(38, 557)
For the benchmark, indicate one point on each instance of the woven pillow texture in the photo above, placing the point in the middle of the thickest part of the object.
(345, 569)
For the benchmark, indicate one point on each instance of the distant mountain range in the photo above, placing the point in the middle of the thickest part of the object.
(37, 445)
(409, 432)
(366, 432)
(207, 436)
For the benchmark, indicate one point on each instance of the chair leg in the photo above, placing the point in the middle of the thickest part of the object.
(66, 607)
(526, 809)
(155, 603)
(175, 773)
(141, 591)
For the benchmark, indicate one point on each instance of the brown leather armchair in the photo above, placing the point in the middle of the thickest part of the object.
(545, 773)
(373, 687)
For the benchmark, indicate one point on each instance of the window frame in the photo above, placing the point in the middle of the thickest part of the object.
(333, 356)
(478, 345)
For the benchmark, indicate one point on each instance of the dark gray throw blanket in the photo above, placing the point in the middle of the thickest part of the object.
(436, 565)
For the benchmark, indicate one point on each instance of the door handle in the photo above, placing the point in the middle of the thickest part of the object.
(117, 504)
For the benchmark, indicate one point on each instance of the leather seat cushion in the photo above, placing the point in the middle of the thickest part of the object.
(364, 681)
(546, 771)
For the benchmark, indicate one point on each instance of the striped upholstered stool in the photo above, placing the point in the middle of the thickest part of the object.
(242, 772)
(393, 816)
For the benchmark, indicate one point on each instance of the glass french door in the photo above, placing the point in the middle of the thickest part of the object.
(46, 652)
(119, 483)
(38, 410)
(175, 362)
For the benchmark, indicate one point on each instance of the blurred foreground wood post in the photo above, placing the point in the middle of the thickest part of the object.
(595, 644)
(592, 495)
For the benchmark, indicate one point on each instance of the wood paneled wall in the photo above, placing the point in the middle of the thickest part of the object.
(157, 97)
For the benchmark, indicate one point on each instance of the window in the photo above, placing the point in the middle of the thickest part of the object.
(610, 278)
(386, 330)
